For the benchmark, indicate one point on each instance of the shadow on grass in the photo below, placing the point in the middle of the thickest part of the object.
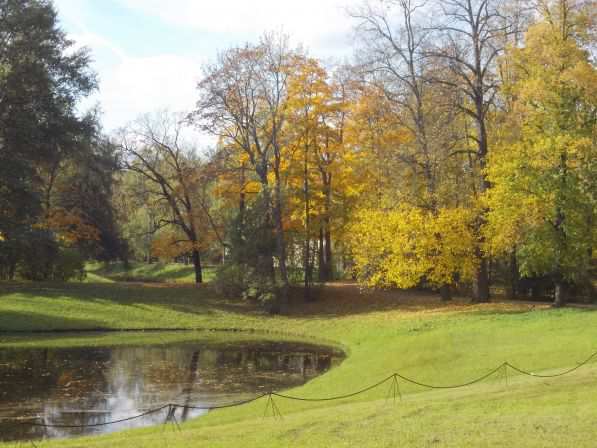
(186, 298)
(334, 300)
(345, 299)
(31, 319)
(154, 272)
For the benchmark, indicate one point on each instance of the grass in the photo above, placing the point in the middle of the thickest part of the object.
(412, 333)
(146, 272)
(137, 338)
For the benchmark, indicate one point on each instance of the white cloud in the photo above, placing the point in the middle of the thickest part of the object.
(133, 83)
(140, 85)
(323, 26)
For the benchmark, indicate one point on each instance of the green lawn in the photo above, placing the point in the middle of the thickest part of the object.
(146, 272)
(413, 334)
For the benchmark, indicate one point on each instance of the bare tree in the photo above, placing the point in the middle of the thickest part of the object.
(396, 61)
(468, 39)
(153, 148)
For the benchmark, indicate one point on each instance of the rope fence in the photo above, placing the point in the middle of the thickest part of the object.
(394, 391)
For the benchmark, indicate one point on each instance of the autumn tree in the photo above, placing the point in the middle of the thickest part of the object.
(155, 149)
(335, 162)
(317, 161)
(309, 95)
(420, 127)
(468, 40)
(394, 61)
(406, 247)
(243, 102)
(543, 172)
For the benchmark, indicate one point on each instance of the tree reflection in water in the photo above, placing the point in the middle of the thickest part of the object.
(86, 386)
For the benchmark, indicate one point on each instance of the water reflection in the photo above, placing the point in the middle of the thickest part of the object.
(86, 386)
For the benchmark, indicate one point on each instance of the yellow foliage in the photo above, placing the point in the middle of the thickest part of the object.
(542, 201)
(402, 247)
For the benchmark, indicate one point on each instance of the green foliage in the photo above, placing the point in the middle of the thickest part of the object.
(248, 269)
(41, 82)
(51, 157)
(70, 265)
(39, 257)
(231, 280)
(543, 199)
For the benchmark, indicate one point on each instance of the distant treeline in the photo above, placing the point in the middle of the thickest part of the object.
(456, 150)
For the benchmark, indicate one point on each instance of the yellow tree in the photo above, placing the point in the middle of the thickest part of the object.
(317, 161)
(373, 134)
(406, 246)
(414, 223)
(309, 96)
(543, 200)
(243, 101)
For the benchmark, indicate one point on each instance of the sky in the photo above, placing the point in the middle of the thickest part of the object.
(148, 53)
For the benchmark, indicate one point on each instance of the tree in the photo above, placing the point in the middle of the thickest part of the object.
(154, 149)
(315, 133)
(41, 134)
(395, 62)
(468, 41)
(543, 199)
(40, 91)
(408, 246)
(137, 213)
(243, 101)
(308, 97)
(423, 152)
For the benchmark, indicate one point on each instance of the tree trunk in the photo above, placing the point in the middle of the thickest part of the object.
(481, 284)
(321, 256)
(328, 252)
(12, 270)
(281, 249)
(326, 267)
(197, 266)
(445, 292)
(280, 243)
(560, 288)
(242, 199)
(307, 242)
(266, 263)
(561, 294)
(514, 277)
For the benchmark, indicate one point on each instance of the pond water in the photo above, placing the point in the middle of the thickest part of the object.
(93, 385)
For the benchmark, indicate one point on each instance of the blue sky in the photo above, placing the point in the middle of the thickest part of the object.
(148, 53)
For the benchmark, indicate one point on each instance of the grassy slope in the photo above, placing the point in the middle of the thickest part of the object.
(154, 272)
(383, 333)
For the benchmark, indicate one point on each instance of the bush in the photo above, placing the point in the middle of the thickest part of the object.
(42, 258)
(248, 269)
(230, 280)
(9, 257)
(38, 255)
(69, 265)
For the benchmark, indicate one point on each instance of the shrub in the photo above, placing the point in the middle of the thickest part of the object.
(69, 265)
(42, 258)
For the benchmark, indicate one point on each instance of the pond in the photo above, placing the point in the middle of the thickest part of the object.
(97, 384)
